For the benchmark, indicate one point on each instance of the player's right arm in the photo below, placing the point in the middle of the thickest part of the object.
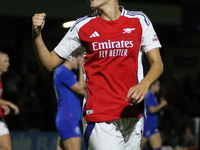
(46, 59)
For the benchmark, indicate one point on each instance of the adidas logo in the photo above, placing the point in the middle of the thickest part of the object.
(95, 34)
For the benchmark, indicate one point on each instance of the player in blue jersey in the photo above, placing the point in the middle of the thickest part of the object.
(151, 131)
(68, 116)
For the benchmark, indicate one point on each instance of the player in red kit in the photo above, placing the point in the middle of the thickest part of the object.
(114, 39)
(5, 141)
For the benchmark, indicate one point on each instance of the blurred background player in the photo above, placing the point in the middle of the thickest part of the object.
(5, 141)
(68, 118)
(151, 132)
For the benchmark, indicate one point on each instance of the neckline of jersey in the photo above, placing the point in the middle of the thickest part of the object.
(111, 21)
(114, 21)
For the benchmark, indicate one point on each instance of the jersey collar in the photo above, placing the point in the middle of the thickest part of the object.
(121, 8)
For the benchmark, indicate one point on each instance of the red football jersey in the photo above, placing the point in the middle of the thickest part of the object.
(113, 60)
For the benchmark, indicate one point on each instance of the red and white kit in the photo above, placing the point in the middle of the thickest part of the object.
(112, 62)
(3, 126)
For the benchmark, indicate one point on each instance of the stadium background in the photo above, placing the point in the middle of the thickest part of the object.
(177, 23)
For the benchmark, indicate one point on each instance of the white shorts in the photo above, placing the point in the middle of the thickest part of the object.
(120, 134)
(3, 128)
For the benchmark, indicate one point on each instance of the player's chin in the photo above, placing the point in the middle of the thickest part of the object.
(5, 70)
(93, 7)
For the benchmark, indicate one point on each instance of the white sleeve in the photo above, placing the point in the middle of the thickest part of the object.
(69, 43)
(149, 37)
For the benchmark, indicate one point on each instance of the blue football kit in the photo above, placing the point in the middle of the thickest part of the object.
(150, 121)
(68, 115)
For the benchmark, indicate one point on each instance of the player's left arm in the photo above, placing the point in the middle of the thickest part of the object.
(138, 92)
